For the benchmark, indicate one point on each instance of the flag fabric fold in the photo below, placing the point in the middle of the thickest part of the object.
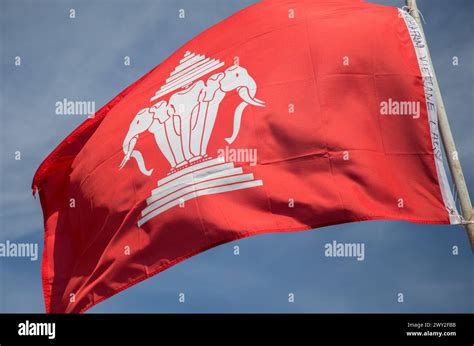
(286, 116)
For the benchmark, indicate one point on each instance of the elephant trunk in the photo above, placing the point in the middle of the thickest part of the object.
(247, 93)
(129, 151)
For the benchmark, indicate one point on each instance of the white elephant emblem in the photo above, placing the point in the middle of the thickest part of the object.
(183, 126)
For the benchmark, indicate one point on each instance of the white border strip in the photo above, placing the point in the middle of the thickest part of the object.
(421, 49)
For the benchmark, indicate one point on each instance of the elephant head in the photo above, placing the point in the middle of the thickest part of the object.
(237, 78)
(141, 123)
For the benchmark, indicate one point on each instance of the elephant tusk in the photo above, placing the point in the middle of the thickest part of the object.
(260, 102)
(124, 161)
(129, 150)
(244, 93)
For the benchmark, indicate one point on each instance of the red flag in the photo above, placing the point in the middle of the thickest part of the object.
(287, 116)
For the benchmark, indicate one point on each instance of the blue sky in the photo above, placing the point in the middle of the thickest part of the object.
(82, 59)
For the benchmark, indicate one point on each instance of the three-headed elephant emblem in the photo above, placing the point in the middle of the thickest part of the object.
(182, 127)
